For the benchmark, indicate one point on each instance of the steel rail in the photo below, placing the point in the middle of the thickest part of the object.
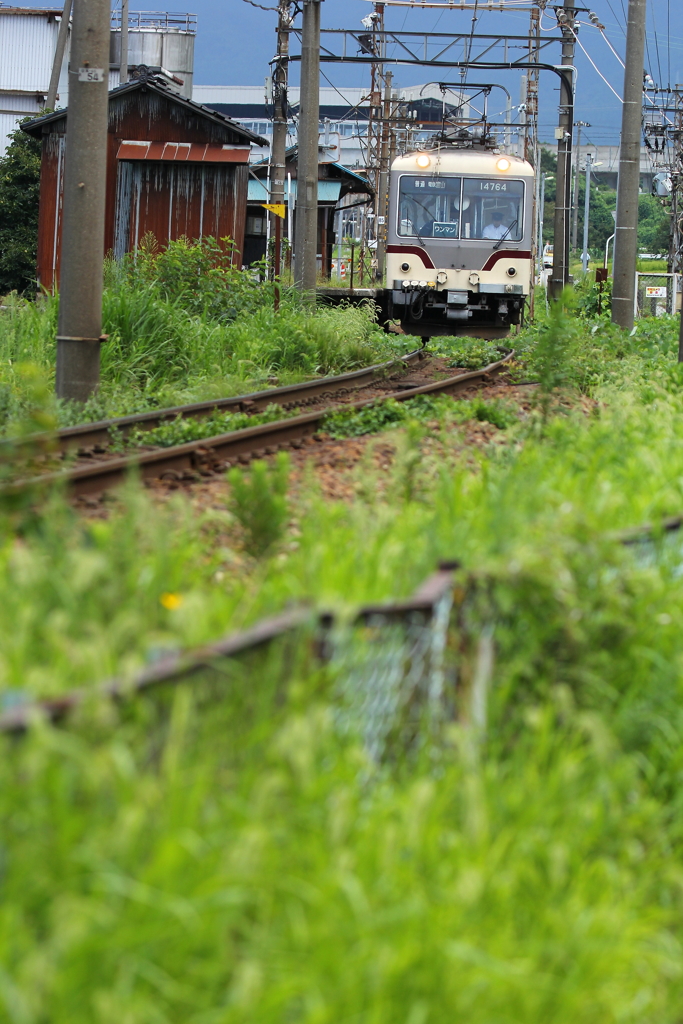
(88, 435)
(178, 667)
(210, 454)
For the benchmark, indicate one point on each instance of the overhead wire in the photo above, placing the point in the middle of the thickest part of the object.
(668, 42)
(654, 32)
(594, 65)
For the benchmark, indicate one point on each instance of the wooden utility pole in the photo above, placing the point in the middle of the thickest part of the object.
(563, 134)
(626, 236)
(79, 330)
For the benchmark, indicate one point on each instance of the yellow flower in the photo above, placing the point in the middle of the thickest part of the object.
(171, 601)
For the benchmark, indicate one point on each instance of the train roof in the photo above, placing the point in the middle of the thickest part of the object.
(468, 161)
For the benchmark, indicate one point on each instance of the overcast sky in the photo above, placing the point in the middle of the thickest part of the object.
(235, 42)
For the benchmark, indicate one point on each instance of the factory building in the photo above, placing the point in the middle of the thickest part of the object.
(162, 42)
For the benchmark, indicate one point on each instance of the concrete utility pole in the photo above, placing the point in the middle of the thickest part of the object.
(586, 213)
(62, 37)
(123, 62)
(280, 110)
(577, 170)
(306, 231)
(626, 240)
(85, 168)
(563, 134)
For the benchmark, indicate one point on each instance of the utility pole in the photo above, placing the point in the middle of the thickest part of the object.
(373, 43)
(123, 62)
(382, 197)
(62, 37)
(626, 240)
(542, 206)
(306, 231)
(577, 171)
(563, 134)
(586, 213)
(79, 330)
(280, 111)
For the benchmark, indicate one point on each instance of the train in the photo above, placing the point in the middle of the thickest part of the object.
(459, 240)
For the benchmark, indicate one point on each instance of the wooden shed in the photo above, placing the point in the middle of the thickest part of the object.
(174, 168)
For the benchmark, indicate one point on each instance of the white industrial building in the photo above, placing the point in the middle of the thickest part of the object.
(344, 114)
(28, 40)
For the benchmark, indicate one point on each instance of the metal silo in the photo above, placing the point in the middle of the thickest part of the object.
(158, 40)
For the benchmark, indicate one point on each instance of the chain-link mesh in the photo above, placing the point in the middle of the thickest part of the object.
(657, 294)
(392, 679)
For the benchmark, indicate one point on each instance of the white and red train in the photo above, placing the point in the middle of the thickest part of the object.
(459, 241)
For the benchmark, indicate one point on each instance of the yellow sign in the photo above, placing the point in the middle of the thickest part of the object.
(277, 208)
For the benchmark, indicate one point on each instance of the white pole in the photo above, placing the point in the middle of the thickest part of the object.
(586, 213)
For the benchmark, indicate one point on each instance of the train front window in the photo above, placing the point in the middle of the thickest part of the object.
(429, 207)
(492, 208)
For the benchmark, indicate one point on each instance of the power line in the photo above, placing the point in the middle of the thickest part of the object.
(654, 30)
(668, 42)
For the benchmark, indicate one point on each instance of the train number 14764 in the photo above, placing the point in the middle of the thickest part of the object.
(493, 186)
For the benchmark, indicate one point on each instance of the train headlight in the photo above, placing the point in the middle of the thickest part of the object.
(405, 267)
(503, 164)
(511, 271)
(423, 160)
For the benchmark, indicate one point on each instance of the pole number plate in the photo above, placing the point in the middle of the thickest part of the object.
(91, 74)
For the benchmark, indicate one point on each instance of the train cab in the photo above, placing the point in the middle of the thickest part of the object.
(459, 241)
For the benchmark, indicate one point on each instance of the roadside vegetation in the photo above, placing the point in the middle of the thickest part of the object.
(185, 325)
(240, 848)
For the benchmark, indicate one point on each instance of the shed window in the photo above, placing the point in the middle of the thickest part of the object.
(256, 225)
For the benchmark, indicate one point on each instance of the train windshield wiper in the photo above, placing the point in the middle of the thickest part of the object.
(502, 239)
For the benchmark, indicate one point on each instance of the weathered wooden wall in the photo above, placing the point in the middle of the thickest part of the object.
(170, 197)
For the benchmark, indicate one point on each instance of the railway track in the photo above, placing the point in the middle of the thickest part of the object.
(101, 433)
(215, 454)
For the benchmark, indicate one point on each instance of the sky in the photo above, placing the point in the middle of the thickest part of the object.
(236, 40)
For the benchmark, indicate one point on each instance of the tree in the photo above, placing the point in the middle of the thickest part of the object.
(653, 225)
(19, 197)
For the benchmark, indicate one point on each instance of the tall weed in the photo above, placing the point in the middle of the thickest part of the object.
(258, 500)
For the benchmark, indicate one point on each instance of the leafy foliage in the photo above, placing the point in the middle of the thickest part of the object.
(468, 353)
(422, 408)
(224, 850)
(19, 196)
(258, 500)
(179, 431)
(197, 332)
(653, 225)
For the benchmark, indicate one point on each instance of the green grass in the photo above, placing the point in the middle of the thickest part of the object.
(185, 326)
(231, 851)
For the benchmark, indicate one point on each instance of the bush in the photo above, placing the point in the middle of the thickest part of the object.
(258, 500)
(19, 197)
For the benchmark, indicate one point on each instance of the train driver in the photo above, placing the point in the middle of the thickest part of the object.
(496, 229)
